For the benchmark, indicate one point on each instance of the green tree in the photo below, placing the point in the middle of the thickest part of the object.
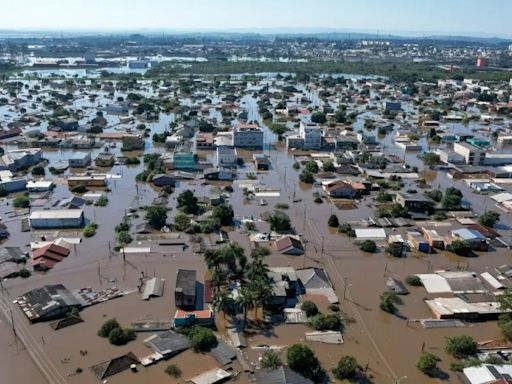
(460, 247)
(328, 166)
(279, 222)
(202, 339)
(156, 216)
(318, 117)
(21, 202)
(38, 170)
(395, 249)
(325, 322)
(307, 177)
(124, 237)
(181, 221)
(173, 370)
(368, 246)
(309, 308)
(303, 361)
(188, 202)
(431, 159)
(107, 327)
(120, 336)
(3, 191)
(427, 363)
(224, 213)
(311, 166)
(414, 281)
(270, 359)
(461, 347)
(489, 218)
(346, 368)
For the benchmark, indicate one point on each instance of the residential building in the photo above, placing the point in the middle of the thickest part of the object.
(66, 125)
(289, 245)
(248, 136)
(434, 239)
(414, 202)
(393, 106)
(87, 181)
(132, 142)
(226, 156)
(105, 159)
(164, 180)
(20, 158)
(218, 173)
(47, 257)
(281, 375)
(40, 186)
(312, 135)
(262, 162)
(10, 184)
(185, 292)
(205, 140)
(57, 218)
(477, 241)
(202, 318)
(488, 374)
(472, 155)
(80, 160)
(340, 189)
(183, 159)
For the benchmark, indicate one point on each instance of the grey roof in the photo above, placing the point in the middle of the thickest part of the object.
(314, 278)
(153, 287)
(111, 367)
(223, 353)
(226, 150)
(11, 254)
(168, 343)
(186, 281)
(282, 375)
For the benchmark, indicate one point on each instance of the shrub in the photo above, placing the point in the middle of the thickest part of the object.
(102, 202)
(309, 308)
(270, 359)
(414, 281)
(333, 221)
(224, 213)
(21, 202)
(24, 273)
(427, 363)
(156, 216)
(107, 327)
(461, 346)
(388, 301)
(38, 170)
(395, 249)
(307, 177)
(173, 370)
(124, 237)
(120, 336)
(346, 368)
(282, 206)
(460, 247)
(325, 322)
(368, 246)
(90, 230)
(489, 218)
(79, 189)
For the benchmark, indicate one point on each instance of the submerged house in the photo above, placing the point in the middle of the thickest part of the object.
(290, 245)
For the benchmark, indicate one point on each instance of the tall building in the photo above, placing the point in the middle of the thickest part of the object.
(312, 135)
(248, 136)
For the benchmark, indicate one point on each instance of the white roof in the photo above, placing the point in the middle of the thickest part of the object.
(492, 280)
(39, 184)
(482, 374)
(434, 283)
(57, 214)
(370, 233)
(210, 377)
(502, 197)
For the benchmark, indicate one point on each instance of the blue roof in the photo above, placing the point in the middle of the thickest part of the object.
(468, 234)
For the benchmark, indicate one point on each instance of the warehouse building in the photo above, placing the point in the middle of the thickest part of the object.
(57, 218)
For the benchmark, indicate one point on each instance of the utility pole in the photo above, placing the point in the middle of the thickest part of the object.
(345, 288)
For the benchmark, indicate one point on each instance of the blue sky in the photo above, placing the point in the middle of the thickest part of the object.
(466, 17)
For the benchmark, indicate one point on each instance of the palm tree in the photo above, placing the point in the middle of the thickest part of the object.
(263, 293)
(245, 302)
(221, 302)
(213, 259)
(218, 279)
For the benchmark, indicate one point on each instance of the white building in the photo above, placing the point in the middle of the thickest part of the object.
(312, 135)
(57, 218)
(472, 155)
(80, 160)
(488, 373)
(226, 156)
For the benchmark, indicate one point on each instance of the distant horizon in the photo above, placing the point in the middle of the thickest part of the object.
(465, 18)
(271, 31)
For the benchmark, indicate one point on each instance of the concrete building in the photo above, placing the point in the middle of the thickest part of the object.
(312, 135)
(472, 155)
(11, 184)
(40, 186)
(248, 136)
(57, 218)
(80, 160)
(132, 142)
(87, 181)
(226, 156)
(414, 202)
(105, 159)
(20, 158)
(185, 292)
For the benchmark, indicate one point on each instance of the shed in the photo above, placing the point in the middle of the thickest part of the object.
(153, 287)
(213, 376)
